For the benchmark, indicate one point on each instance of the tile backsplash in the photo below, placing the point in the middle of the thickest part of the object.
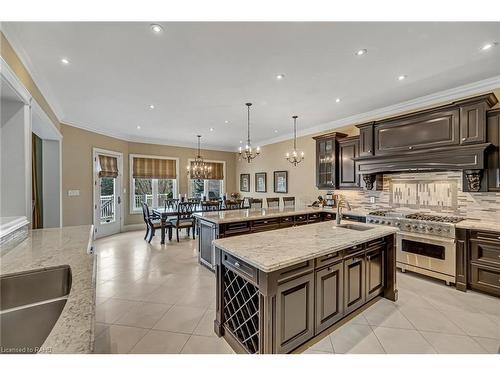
(433, 192)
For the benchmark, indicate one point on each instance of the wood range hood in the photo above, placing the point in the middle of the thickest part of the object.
(449, 137)
(449, 158)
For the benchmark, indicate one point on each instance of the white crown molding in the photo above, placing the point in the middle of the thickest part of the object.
(40, 82)
(147, 140)
(441, 97)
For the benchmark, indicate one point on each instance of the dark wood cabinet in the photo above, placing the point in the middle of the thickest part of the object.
(435, 129)
(375, 261)
(366, 139)
(348, 150)
(327, 153)
(294, 313)
(354, 282)
(329, 298)
(473, 123)
(493, 158)
(478, 261)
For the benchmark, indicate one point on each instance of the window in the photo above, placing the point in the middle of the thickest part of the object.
(153, 180)
(212, 189)
(153, 191)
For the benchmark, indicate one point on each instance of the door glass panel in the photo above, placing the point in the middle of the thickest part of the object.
(107, 203)
(143, 192)
(197, 187)
(165, 191)
(214, 189)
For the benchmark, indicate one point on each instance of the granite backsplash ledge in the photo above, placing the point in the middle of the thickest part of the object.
(434, 192)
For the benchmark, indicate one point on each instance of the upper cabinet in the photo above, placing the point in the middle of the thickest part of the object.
(430, 130)
(365, 139)
(493, 131)
(473, 122)
(348, 150)
(327, 165)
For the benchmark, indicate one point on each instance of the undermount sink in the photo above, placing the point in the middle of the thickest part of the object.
(353, 227)
(30, 304)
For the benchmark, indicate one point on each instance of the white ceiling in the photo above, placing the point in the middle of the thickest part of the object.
(200, 74)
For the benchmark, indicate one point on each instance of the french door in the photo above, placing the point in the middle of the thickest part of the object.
(107, 195)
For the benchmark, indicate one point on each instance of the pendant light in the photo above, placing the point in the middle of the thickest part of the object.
(248, 153)
(294, 156)
(198, 168)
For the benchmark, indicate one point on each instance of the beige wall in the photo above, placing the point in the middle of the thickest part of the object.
(77, 170)
(301, 179)
(11, 58)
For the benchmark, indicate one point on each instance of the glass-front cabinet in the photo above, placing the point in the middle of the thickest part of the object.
(327, 152)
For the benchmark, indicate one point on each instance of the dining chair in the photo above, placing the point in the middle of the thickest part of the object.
(184, 218)
(234, 205)
(256, 203)
(288, 202)
(153, 222)
(247, 202)
(273, 202)
(210, 206)
(171, 204)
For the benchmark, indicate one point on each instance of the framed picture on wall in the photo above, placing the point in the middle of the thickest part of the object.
(261, 182)
(245, 182)
(281, 182)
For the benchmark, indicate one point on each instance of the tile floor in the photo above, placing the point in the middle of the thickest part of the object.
(157, 299)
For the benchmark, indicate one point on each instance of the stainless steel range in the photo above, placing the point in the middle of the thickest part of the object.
(425, 243)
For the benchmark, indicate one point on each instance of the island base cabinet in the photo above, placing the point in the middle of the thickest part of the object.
(294, 323)
(329, 296)
(354, 282)
(375, 260)
(485, 279)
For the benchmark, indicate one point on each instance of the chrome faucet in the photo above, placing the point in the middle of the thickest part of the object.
(341, 201)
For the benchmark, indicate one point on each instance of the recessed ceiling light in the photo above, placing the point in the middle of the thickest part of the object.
(402, 77)
(211, 129)
(280, 76)
(337, 100)
(156, 28)
(241, 142)
(275, 130)
(488, 46)
(151, 106)
(226, 122)
(361, 52)
(138, 127)
(65, 61)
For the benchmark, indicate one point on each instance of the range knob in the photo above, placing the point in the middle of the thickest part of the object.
(398, 224)
(376, 221)
(431, 229)
(408, 226)
(382, 222)
(438, 230)
(415, 226)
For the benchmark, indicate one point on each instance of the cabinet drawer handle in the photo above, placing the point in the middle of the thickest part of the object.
(237, 264)
(498, 238)
(368, 257)
(369, 150)
(410, 148)
(330, 255)
(464, 139)
(354, 247)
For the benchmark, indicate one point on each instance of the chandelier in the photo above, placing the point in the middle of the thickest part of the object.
(198, 168)
(248, 153)
(294, 156)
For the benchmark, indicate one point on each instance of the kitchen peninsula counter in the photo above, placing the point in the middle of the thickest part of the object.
(278, 289)
(227, 223)
(47, 248)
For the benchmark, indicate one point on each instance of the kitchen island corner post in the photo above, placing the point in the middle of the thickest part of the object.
(390, 289)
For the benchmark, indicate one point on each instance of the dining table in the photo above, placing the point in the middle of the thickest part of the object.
(168, 212)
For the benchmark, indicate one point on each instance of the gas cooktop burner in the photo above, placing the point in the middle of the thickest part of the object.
(379, 213)
(437, 218)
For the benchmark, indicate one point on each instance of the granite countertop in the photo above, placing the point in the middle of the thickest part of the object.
(233, 216)
(479, 224)
(273, 250)
(44, 248)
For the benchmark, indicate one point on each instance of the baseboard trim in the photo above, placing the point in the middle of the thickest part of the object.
(133, 227)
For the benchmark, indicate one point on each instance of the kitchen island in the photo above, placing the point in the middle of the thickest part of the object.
(220, 224)
(278, 289)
